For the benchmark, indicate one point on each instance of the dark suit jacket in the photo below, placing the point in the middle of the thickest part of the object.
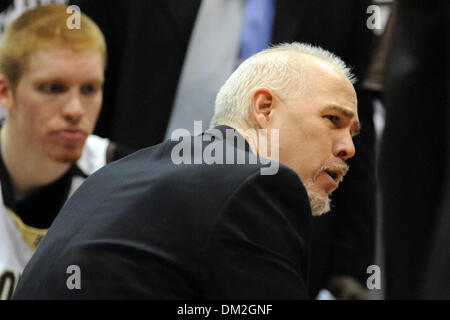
(147, 43)
(144, 227)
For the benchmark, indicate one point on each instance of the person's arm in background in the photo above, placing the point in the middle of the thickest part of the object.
(414, 154)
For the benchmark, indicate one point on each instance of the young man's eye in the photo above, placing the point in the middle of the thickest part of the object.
(88, 89)
(52, 88)
(332, 118)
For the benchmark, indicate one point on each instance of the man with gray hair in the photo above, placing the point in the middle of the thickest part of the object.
(150, 226)
(284, 77)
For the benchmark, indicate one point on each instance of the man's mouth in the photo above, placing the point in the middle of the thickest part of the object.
(332, 174)
(336, 172)
(335, 175)
(71, 134)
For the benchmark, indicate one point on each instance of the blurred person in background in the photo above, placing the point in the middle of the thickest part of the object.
(415, 153)
(51, 80)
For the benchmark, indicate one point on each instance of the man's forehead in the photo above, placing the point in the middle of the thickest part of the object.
(53, 63)
(334, 88)
(64, 54)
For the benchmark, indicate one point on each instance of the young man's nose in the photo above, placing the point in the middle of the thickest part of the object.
(73, 108)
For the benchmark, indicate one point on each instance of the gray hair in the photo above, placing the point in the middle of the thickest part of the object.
(280, 73)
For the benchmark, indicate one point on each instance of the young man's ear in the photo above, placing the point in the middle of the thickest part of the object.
(262, 106)
(5, 93)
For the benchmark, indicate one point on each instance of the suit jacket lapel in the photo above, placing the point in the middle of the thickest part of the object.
(288, 15)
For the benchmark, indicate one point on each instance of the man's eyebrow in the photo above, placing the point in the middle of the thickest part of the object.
(357, 129)
(347, 113)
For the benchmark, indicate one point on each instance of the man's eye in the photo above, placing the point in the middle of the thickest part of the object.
(332, 118)
(88, 89)
(52, 88)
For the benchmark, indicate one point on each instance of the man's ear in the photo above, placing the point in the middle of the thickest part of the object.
(262, 106)
(6, 95)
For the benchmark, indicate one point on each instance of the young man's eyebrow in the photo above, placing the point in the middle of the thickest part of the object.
(347, 113)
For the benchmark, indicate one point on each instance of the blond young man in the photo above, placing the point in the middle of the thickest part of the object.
(51, 86)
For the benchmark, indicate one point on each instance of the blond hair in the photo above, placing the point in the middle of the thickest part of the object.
(45, 27)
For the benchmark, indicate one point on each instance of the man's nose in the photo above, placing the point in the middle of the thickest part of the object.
(73, 109)
(344, 148)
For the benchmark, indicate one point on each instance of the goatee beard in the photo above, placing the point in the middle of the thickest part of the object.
(319, 204)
